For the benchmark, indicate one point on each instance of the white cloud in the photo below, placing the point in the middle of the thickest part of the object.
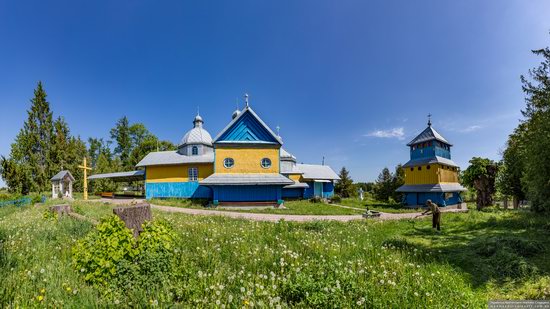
(470, 129)
(398, 133)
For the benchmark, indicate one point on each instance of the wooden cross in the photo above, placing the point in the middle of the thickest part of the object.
(85, 167)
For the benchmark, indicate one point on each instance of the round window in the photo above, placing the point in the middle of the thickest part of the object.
(266, 163)
(228, 162)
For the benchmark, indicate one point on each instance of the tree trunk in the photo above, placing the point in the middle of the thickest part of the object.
(134, 216)
(505, 202)
(516, 202)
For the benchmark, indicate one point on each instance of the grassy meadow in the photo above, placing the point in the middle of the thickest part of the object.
(222, 262)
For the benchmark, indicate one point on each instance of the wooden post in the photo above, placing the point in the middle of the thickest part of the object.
(134, 216)
(85, 168)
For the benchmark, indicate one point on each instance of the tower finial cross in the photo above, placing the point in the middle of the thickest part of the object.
(246, 99)
(429, 119)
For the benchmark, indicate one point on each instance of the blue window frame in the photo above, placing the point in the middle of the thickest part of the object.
(228, 162)
(194, 150)
(266, 163)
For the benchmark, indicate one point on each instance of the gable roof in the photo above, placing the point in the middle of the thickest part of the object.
(61, 175)
(173, 157)
(313, 171)
(428, 134)
(247, 127)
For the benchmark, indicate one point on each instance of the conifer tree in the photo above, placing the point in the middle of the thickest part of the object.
(121, 135)
(344, 186)
(29, 166)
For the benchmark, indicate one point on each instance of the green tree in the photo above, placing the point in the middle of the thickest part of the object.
(536, 140)
(149, 144)
(398, 179)
(29, 167)
(383, 185)
(511, 171)
(480, 176)
(344, 186)
(121, 135)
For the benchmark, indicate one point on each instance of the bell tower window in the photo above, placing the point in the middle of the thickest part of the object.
(194, 150)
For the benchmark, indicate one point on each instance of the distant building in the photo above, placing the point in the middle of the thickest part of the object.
(62, 185)
(430, 173)
(245, 162)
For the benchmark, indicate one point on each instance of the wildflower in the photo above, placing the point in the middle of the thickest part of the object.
(40, 297)
(42, 270)
(415, 294)
(43, 291)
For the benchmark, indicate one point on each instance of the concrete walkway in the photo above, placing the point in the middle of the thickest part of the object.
(278, 217)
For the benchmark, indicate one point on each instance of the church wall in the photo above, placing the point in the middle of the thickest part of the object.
(247, 160)
(436, 174)
(176, 173)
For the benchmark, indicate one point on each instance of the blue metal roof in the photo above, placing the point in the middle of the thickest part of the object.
(247, 127)
(429, 134)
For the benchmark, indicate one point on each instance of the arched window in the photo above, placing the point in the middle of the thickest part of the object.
(228, 162)
(428, 167)
(420, 168)
(194, 150)
(266, 163)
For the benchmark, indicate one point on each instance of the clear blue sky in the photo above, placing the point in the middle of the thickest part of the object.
(349, 80)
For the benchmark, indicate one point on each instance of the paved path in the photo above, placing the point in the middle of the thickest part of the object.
(277, 217)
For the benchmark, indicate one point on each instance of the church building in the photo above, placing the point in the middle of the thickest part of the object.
(244, 163)
(430, 174)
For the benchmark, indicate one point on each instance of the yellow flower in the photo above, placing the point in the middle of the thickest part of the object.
(246, 302)
(68, 289)
(43, 291)
(40, 297)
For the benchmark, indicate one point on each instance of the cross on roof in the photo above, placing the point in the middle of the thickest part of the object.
(430, 119)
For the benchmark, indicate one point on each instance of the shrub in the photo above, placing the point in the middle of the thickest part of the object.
(110, 256)
(316, 199)
(336, 199)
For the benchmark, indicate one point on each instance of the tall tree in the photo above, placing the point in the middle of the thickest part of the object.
(30, 168)
(512, 169)
(537, 134)
(121, 135)
(383, 185)
(398, 179)
(480, 176)
(344, 186)
(149, 144)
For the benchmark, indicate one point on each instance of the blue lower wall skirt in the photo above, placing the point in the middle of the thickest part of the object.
(247, 193)
(177, 190)
(293, 193)
(328, 190)
(412, 199)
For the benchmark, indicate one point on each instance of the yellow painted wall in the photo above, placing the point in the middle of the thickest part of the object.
(295, 177)
(247, 160)
(176, 173)
(436, 174)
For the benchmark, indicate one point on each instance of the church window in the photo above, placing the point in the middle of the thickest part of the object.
(193, 173)
(228, 162)
(266, 163)
(194, 150)
(412, 169)
(420, 168)
(428, 167)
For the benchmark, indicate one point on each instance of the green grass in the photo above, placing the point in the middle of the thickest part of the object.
(299, 207)
(396, 264)
(376, 205)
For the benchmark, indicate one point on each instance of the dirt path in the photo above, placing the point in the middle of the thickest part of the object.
(277, 217)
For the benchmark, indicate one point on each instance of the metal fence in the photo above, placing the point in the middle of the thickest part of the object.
(20, 202)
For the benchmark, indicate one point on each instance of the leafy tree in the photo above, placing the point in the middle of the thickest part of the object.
(536, 140)
(149, 144)
(344, 186)
(511, 171)
(398, 179)
(29, 167)
(480, 175)
(96, 147)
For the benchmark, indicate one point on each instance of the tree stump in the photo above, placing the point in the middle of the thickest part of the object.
(134, 216)
(61, 209)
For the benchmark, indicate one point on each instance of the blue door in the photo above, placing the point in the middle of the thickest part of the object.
(318, 189)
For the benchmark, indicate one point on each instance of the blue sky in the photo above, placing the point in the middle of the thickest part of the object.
(349, 80)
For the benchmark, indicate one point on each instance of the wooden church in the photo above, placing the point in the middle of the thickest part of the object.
(430, 174)
(244, 163)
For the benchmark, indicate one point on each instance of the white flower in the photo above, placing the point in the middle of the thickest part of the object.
(42, 270)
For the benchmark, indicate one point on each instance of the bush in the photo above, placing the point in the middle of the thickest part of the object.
(110, 256)
(336, 199)
(316, 199)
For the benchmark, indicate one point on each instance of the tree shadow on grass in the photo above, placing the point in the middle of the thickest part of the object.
(499, 248)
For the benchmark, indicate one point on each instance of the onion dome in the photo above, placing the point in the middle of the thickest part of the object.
(197, 135)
